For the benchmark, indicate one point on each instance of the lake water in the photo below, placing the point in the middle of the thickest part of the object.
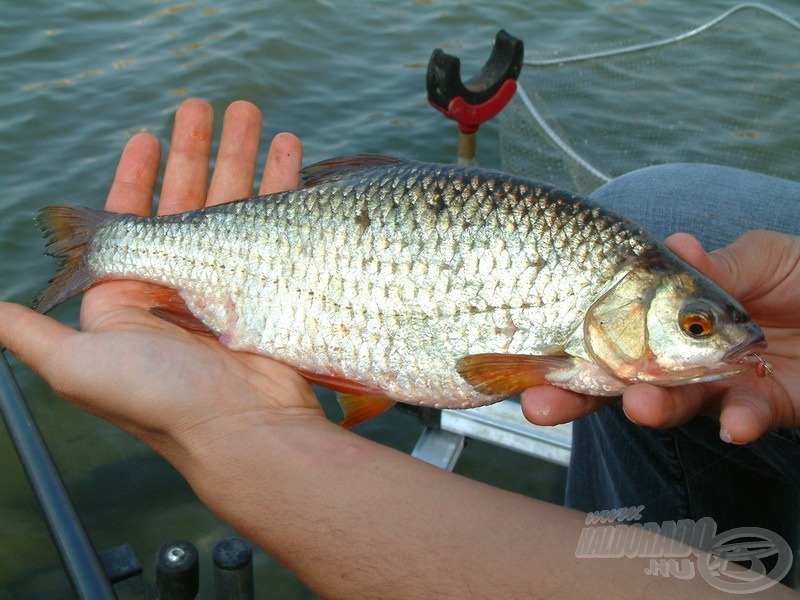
(78, 78)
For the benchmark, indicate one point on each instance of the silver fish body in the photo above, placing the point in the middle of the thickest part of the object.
(390, 274)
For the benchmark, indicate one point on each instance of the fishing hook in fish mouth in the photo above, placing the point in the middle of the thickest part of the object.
(745, 349)
(763, 368)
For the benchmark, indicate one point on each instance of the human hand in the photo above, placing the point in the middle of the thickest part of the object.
(762, 270)
(150, 377)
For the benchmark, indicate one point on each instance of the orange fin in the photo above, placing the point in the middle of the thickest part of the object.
(168, 305)
(508, 374)
(336, 169)
(358, 409)
(359, 402)
(69, 230)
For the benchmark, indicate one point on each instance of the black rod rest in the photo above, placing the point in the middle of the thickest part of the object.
(444, 73)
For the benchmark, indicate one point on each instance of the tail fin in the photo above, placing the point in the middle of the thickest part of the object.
(69, 231)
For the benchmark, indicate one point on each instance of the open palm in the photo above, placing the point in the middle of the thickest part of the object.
(152, 378)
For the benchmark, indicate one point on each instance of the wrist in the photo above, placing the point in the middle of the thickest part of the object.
(227, 436)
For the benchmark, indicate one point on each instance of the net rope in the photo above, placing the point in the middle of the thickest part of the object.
(724, 92)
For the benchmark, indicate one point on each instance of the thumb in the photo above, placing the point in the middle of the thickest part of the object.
(744, 268)
(35, 339)
(746, 415)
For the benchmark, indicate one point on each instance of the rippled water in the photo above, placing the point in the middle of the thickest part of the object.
(78, 78)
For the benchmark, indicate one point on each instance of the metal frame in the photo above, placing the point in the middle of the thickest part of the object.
(501, 424)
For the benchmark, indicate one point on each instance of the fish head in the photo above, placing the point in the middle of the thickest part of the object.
(670, 326)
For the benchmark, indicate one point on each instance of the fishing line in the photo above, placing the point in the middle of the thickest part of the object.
(714, 93)
(766, 370)
(713, 464)
(665, 41)
(693, 476)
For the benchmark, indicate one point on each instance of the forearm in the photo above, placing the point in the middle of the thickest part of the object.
(357, 520)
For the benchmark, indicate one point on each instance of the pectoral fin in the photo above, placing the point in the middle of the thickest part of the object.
(508, 374)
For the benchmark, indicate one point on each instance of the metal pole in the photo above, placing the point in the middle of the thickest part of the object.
(177, 571)
(73, 544)
(467, 143)
(233, 570)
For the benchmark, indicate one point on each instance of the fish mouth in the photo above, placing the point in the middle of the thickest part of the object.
(746, 349)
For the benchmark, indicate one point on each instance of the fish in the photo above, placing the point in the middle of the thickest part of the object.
(392, 280)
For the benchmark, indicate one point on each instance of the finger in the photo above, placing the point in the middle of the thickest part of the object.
(284, 161)
(548, 405)
(234, 171)
(758, 263)
(186, 176)
(744, 268)
(136, 175)
(745, 416)
(689, 249)
(714, 266)
(659, 407)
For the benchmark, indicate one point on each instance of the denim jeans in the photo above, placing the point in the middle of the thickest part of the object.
(687, 472)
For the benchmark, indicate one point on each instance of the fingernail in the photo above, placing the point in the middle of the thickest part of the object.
(725, 436)
(542, 411)
(631, 419)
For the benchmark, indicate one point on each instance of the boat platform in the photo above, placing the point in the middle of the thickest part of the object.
(501, 424)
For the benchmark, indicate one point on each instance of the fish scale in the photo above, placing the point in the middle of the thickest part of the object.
(385, 274)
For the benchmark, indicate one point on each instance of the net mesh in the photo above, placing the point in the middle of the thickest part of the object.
(723, 93)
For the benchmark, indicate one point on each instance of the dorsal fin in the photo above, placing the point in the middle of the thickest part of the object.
(336, 169)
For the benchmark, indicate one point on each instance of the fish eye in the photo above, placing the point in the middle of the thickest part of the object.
(697, 321)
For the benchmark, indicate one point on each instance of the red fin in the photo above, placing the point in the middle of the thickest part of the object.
(508, 374)
(69, 230)
(359, 402)
(168, 305)
(336, 169)
(358, 409)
